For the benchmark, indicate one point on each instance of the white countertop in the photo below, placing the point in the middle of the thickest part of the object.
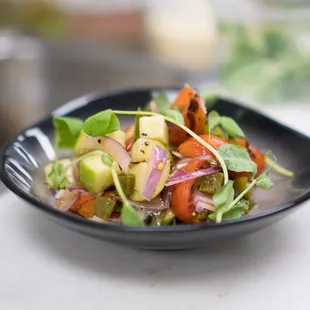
(45, 266)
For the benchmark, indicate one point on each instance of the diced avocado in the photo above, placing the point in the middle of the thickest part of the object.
(155, 128)
(83, 144)
(68, 167)
(96, 176)
(119, 136)
(142, 171)
(142, 150)
(127, 183)
(104, 206)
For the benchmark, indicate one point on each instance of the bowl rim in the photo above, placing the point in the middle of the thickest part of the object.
(84, 100)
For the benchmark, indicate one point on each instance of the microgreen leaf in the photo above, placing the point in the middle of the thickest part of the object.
(264, 182)
(67, 130)
(175, 115)
(57, 176)
(101, 124)
(237, 159)
(162, 102)
(231, 127)
(213, 120)
(130, 217)
(107, 160)
(224, 196)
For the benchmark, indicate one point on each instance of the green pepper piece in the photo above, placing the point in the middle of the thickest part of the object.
(164, 218)
(240, 185)
(127, 182)
(203, 216)
(212, 183)
(104, 207)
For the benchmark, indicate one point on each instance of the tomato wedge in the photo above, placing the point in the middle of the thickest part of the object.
(193, 148)
(182, 195)
(192, 107)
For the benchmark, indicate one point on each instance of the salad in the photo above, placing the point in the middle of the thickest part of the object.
(175, 164)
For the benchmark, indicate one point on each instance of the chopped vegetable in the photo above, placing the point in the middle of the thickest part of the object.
(211, 184)
(127, 182)
(104, 207)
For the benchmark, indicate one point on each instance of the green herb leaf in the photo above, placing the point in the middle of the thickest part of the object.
(57, 176)
(237, 159)
(231, 127)
(101, 124)
(67, 131)
(130, 217)
(224, 196)
(213, 120)
(107, 160)
(162, 103)
(264, 182)
(175, 115)
(236, 211)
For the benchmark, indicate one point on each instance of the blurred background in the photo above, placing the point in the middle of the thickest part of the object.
(52, 51)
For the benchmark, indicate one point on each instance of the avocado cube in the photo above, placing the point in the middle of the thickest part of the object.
(155, 128)
(95, 176)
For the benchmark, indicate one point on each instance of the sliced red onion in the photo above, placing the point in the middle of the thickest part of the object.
(158, 163)
(183, 162)
(110, 146)
(181, 175)
(65, 199)
(202, 202)
(177, 154)
(75, 188)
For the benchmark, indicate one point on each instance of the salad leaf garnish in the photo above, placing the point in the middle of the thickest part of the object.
(57, 176)
(164, 107)
(231, 127)
(101, 124)
(213, 120)
(227, 123)
(67, 130)
(224, 196)
(234, 213)
(175, 115)
(264, 182)
(129, 216)
(222, 199)
(237, 159)
(162, 103)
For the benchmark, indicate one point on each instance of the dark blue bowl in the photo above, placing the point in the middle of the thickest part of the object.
(23, 158)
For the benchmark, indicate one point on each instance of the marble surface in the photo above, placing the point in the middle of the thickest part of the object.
(45, 266)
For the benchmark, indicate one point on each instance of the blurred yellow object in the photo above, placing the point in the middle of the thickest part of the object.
(182, 33)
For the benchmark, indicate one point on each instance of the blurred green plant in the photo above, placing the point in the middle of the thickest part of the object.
(33, 17)
(265, 62)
